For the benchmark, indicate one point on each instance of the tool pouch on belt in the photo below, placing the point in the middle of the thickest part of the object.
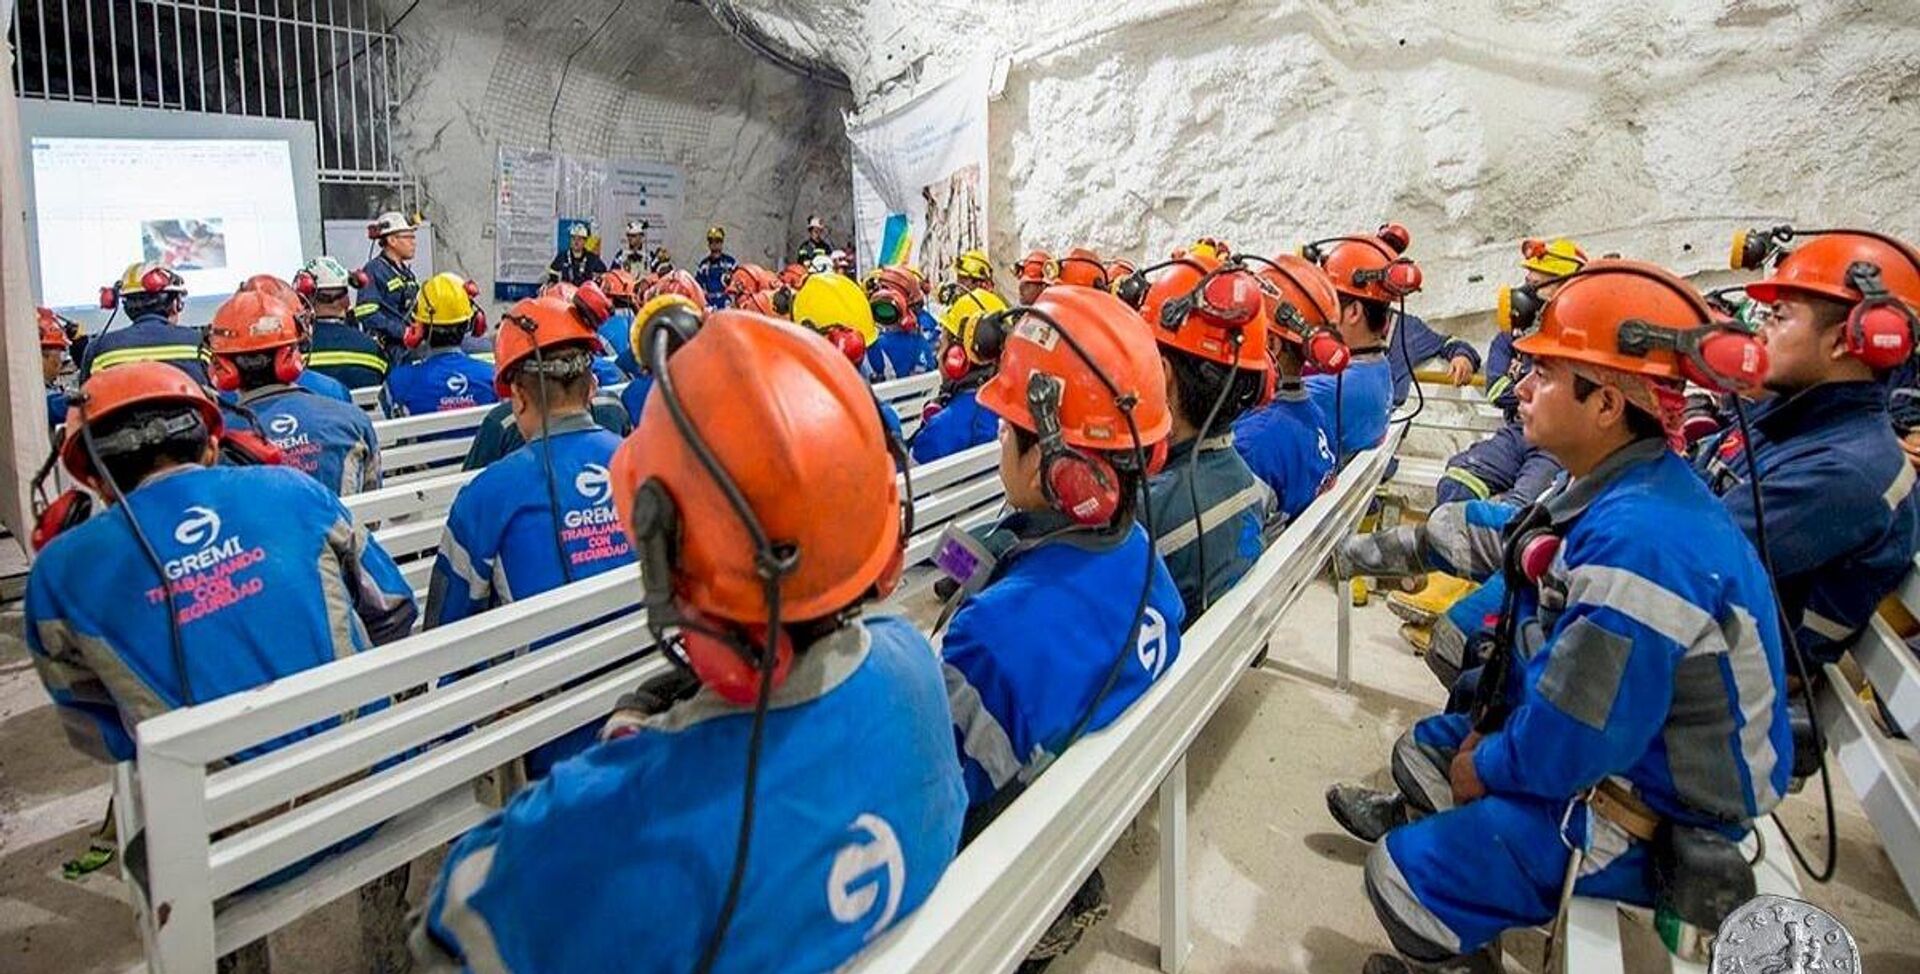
(1699, 876)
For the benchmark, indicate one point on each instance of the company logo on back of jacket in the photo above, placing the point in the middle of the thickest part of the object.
(594, 484)
(457, 384)
(198, 529)
(853, 884)
(283, 425)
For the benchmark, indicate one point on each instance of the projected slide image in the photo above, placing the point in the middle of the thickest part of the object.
(185, 245)
(216, 210)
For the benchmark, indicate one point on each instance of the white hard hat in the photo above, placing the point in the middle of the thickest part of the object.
(815, 223)
(636, 226)
(388, 224)
(579, 230)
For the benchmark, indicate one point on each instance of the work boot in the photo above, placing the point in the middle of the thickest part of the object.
(1482, 961)
(1438, 595)
(1366, 814)
(1089, 905)
(1419, 637)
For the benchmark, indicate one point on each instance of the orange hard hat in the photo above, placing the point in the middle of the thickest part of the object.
(546, 324)
(252, 321)
(620, 285)
(795, 428)
(280, 290)
(1820, 267)
(1037, 265)
(758, 302)
(681, 283)
(52, 334)
(751, 279)
(793, 275)
(1109, 333)
(1294, 281)
(135, 384)
(1368, 268)
(910, 286)
(1205, 310)
(1082, 266)
(1584, 318)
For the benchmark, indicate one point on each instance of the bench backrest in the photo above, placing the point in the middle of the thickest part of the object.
(379, 769)
(1006, 886)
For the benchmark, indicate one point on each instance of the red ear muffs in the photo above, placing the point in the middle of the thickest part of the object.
(953, 363)
(1535, 552)
(109, 298)
(1082, 486)
(1403, 278)
(930, 410)
(479, 322)
(221, 372)
(1711, 356)
(358, 278)
(1157, 457)
(1229, 299)
(713, 652)
(848, 342)
(68, 510)
(156, 280)
(288, 364)
(246, 448)
(1326, 352)
(414, 335)
(591, 304)
(303, 284)
(1880, 329)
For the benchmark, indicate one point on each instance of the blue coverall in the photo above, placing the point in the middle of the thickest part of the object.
(445, 378)
(331, 441)
(1653, 663)
(385, 305)
(498, 435)
(897, 354)
(1235, 508)
(1027, 654)
(619, 860)
(148, 338)
(346, 354)
(712, 273)
(960, 425)
(1287, 444)
(252, 554)
(1356, 403)
(1413, 342)
(1503, 465)
(1841, 517)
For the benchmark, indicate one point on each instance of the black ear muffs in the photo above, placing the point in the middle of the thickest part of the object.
(1083, 487)
(1132, 290)
(985, 336)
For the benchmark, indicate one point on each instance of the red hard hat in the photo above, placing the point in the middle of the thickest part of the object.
(1197, 308)
(110, 391)
(795, 428)
(619, 285)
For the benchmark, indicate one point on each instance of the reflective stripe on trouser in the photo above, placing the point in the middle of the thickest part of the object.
(1449, 883)
(1475, 487)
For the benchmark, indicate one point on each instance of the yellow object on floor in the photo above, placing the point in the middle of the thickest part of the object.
(1420, 637)
(1359, 587)
(1440, 593)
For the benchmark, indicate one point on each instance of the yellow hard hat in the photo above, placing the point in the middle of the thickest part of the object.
(968, 306)
(973, 263)
(828, 299)
(444, 300)
(1557, 257)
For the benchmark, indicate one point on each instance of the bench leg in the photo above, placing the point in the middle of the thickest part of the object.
(1342, 638)
(1173, 869)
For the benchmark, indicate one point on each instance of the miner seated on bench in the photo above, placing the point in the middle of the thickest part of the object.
(265, 574)
(1632, 718)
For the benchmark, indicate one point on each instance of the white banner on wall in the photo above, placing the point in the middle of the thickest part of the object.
(540, 190)
(920, 176)
(524, 213)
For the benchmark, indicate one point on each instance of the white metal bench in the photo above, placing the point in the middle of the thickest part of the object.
(1872, 760)
(426, 798)
(1004, 889)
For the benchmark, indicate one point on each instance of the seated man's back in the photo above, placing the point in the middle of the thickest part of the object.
(329, 440)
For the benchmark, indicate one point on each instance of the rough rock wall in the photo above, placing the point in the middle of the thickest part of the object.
(656, 80)
(1649, 127)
